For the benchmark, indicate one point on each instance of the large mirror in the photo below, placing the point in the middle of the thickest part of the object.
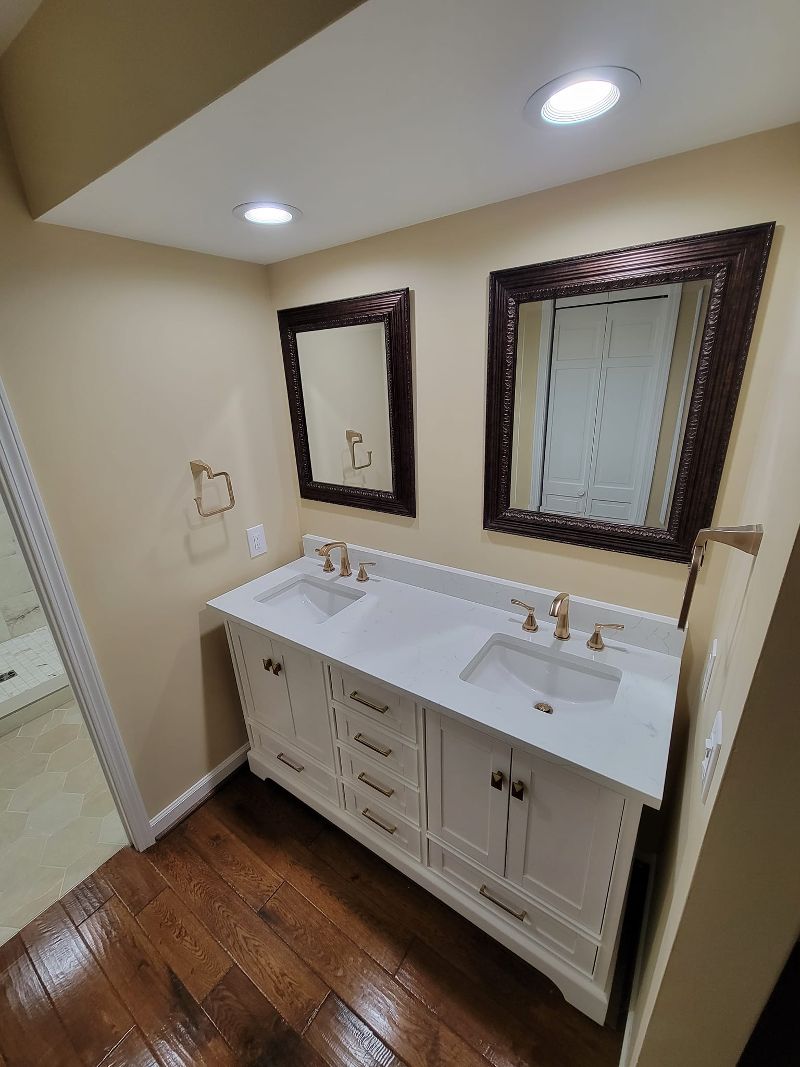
(613, 382)
(348, 375)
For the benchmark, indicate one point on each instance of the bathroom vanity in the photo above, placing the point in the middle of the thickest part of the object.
(404, 709)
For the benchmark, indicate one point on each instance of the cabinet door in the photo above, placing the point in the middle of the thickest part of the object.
(305, 678)
(467, 774)
(269, 695)
(562, 838)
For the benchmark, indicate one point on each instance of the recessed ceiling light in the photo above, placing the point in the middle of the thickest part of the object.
(266, 213)
(580, 96)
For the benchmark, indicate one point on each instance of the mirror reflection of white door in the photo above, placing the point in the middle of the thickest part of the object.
(608, 369)
(575, 367)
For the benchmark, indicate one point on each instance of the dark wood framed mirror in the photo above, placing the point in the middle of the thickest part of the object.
(612, 387)
(348, 376)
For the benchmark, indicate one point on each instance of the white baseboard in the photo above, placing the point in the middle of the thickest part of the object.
(197, 793)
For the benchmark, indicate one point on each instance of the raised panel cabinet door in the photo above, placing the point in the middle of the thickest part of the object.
(305, 678)
(269, 696)
(576, 359)
(467, 774)
(562, 838)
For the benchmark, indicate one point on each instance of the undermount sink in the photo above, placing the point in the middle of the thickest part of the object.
(516, 669)
(308, 599)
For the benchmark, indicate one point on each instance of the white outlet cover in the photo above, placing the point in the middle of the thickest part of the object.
(711, 756)
(257, 540)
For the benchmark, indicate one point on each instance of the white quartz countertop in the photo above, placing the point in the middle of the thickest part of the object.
(419, 641)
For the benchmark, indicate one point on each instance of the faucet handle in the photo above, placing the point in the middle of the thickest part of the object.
(596, 642)
(362, 574)
(530, 625)
(328, 567)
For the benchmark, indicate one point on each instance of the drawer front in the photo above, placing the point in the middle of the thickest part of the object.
(367, 697)
(503, 901)
(294, 763)
(390, 791)
(377, 744)
(383, 822)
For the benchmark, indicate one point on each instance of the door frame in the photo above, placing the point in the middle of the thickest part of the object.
(36, 540)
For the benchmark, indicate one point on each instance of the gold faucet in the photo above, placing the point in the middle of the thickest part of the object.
(559, 610)
(344, 560)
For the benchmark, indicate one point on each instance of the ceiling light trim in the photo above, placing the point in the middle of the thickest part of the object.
(625, 81)
(276, 207)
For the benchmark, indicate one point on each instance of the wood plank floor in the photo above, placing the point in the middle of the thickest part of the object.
(255, 933)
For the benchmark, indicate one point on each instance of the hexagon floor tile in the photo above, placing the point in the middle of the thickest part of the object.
(58, 822)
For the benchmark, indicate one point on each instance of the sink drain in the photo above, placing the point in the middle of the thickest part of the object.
(546, 708)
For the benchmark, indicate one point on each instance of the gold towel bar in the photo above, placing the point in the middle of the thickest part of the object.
(198, 469)
(745, 538)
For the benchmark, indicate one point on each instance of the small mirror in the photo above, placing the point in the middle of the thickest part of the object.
(602, 389)
(612, 387)
(348, 375)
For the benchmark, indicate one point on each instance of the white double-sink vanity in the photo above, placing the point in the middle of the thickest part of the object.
(403, 708)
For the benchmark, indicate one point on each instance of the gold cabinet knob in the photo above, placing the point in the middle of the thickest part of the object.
(277, 668)
(497, 780)
(518, 790)
(267, 664)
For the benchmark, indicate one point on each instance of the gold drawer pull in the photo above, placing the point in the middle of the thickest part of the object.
(290, 763)
(378, 822)
(373, 745)
(267, 664)
(520, 915)
(359, 699)
(365, 778)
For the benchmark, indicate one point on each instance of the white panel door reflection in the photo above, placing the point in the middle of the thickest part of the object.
(603, 383)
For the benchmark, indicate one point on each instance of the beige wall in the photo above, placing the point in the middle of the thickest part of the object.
(343, 374)
(446, 263)
(130, 73)
(525, 387)
(123, 361)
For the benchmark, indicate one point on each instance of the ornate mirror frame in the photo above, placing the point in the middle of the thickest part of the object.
(735, 262)
(393, 310)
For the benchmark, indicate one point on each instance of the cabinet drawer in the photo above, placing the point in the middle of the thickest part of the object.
(377, 744)
(383, 822)
(367, 697)
(503, 901)
(290, 761)
(402, 798)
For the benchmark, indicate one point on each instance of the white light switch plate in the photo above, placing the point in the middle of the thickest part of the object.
(708, 672)
(257, 540)
(711, 757)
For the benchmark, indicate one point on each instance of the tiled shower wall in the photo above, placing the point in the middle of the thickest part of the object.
(20, 611)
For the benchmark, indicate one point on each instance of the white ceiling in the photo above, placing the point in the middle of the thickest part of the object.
(13, 16)
(402, 112)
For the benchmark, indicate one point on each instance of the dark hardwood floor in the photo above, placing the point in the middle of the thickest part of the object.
(257, 933)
